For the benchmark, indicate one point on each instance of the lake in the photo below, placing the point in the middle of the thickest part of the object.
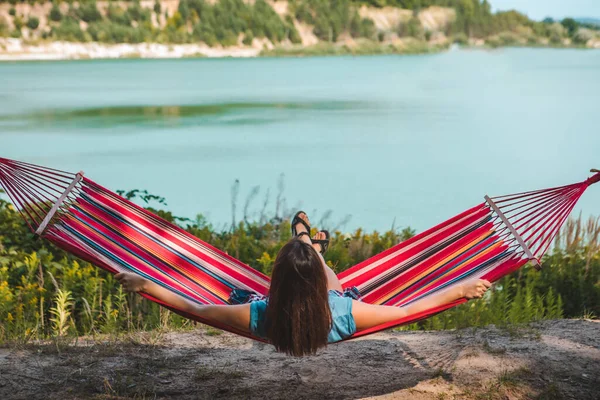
(404, 140)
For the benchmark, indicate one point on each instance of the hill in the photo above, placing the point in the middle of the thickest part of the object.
(270, 27)
(589, 21)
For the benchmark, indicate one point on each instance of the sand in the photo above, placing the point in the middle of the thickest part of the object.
(548, 360)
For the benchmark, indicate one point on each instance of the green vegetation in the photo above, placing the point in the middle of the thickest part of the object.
(4, 28)
(33, 23)
(45, 292)
(332, 18)
(55, 14)
(361, 47)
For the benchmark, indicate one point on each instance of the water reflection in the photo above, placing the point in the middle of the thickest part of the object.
(236, 113)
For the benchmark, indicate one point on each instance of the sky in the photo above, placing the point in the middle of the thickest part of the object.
(540, 9)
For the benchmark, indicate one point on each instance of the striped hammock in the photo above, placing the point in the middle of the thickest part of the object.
(487, 241)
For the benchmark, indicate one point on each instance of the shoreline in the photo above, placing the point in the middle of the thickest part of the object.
(18, 50)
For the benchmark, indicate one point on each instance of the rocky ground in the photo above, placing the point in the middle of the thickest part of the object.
(549, 360)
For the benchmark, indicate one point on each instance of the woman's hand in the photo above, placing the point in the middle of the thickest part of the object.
(475, 288)
(131, 282)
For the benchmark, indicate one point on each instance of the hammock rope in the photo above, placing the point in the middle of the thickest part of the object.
(487, 241)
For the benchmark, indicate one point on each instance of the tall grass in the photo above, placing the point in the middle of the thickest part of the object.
(45, 292)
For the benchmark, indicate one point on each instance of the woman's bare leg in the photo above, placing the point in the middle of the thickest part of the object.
(333, 283)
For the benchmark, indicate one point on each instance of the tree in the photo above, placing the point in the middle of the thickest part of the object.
(412, 28)
(55, 14)
(33, 23)
(570, 25)
(88, 12)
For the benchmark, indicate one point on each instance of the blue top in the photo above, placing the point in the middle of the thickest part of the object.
(342, 321)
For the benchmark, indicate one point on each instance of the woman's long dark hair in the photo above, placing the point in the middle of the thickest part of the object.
(298, 316)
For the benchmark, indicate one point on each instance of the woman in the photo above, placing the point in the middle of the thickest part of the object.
(305, 309)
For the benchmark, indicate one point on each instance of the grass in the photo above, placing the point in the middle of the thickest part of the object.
(550, 392)
(205, 373)
(509, 384)
(210, 331)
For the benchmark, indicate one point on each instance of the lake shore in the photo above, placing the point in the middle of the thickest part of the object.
(12, 49)
(547, 360)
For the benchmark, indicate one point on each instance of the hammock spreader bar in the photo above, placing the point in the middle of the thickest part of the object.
(489, 241)
(58, 203)
(515, 234)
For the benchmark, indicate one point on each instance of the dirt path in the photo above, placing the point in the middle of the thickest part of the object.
(550, 360)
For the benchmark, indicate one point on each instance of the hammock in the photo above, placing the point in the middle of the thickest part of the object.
(489, 241)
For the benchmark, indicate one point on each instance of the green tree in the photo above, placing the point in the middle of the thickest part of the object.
(33, 23)
(248, 38)
(412, 28)
(88, 11)
(68, 30)
(570, 25)
(55, 14)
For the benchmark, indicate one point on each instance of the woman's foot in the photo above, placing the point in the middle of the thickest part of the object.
(301, 227)
(320, 241)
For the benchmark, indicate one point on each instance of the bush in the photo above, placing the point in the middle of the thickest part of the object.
(583, 35)
(412, 28)
(205, 33)
(367, 28)
(12, 11)
(137, 13)
(109, 32)
(18, 23)
(556, 32)
(294, 35)
(227, 38)
(33, 23)
(461, 38)
(55, 14)
(88, 12)
(118, 15)
(68, 30)
(303, 13)
(248, 38)
(3, 26)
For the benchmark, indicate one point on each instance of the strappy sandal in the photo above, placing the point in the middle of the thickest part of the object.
(297, 220)
(324, 243)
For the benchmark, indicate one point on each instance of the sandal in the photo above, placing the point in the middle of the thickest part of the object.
(324, 243)
(297, 220)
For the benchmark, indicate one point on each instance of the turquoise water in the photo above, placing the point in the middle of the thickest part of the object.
(410, 139)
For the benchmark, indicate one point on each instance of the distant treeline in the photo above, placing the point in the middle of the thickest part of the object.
(229, 22)
(45, 292)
